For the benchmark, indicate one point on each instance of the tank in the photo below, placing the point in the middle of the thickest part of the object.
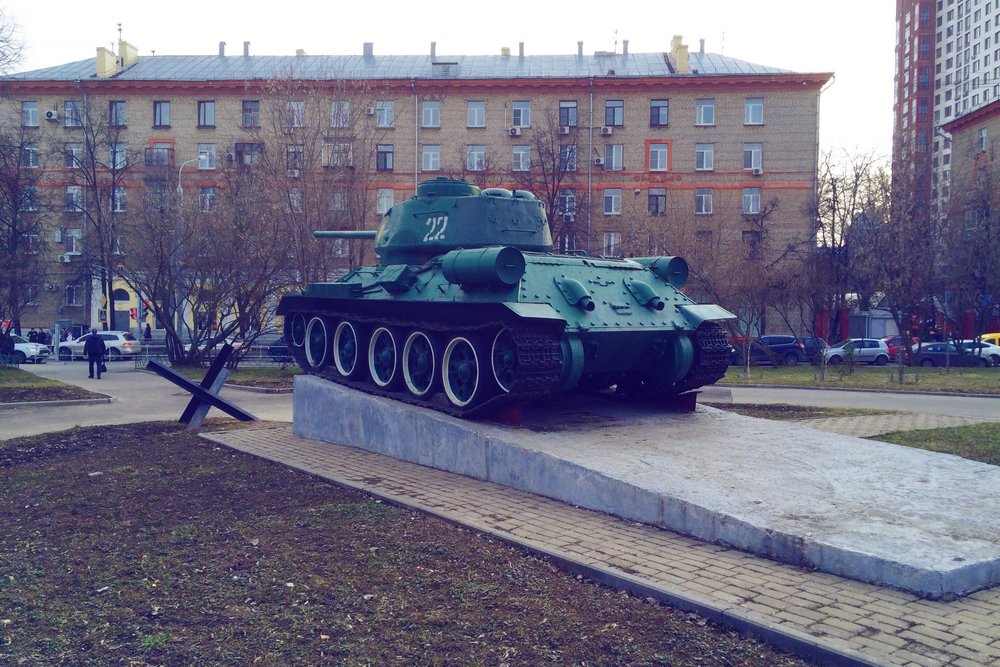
(469, 309)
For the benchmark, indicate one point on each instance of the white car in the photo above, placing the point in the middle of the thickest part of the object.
(25, 350)
(867, 350)
(117, 343)
(992, 352)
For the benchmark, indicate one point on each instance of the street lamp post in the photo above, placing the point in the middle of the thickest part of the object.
(180, 174)
(178, 313)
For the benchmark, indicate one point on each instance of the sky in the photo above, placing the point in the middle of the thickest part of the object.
(853, 39)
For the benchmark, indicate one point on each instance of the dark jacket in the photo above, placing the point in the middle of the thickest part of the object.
(94, 348)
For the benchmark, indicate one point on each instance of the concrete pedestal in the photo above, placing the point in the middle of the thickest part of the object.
(923, 522)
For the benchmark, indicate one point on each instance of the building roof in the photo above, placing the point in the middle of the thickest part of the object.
(251, 68)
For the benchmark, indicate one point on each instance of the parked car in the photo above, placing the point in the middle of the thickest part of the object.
(814, 349)
(118, 344)
(277, 350)
(991, 338)
(866, 350)
(778, 350)
(946, 354)
(978, 348)
(895, 344)
(25, 350)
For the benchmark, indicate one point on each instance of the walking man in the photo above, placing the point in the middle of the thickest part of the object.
(94, 349)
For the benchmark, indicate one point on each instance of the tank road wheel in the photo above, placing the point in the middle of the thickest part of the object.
(383, 358)
(460, 372)
(419, 364)
(317, 343)
(346, 344)
(503, 357)
(297, 329)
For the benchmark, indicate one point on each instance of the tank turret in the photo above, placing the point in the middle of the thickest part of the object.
(468, 308)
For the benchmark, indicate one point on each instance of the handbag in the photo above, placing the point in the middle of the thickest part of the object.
(103, 368)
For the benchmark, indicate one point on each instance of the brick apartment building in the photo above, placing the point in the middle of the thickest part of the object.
(652, 152)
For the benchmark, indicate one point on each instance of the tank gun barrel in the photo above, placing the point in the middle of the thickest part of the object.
(346, 234)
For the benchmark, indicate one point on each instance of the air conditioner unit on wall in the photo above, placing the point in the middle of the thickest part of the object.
(292, 173)
(568, 217)
(564, 129)
(64, 259)
(599, 161)
(369, 111)
(607, 129)
(52, 114)
(50, 287)
(757, 171)
(515, 131)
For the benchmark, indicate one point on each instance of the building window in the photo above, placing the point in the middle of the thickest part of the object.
(116, 113)
(658, 157)
(566, 202)
(567, 241)
(338, 154)
(384, 113)
(29, 156)
(161, 113)
(753, 156)
(206, 156)
(567, 114)
(704, 112)
(295, 114)
(522, 158)
(430, 158)
(613, 157)
(74, 294)
(338, 199)
(430, 115)
(294, 157)
(981, 145)
(612, 244)
(295, 199)
(206, 199)
(521, 114)
(704, 157)
(703, 201)
(73, 199)
(384, 199)
(475, 158)
(73, 113)
(752, 241)
(118, 200)
(476, 114)
(751, 201)
(73, 241)
(567, 157)
(117, 156)
(29, 114)
(251, 113)
(340, 113)
(383, 157)
(206, 113)
(659, 113)
(73, 154)
(29, 199)
(753, 111)
(613, 201)
(247, 153)
(657, 201)
(614, 113)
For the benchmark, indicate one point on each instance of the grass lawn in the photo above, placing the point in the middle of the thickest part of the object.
(17, 386)
(979, 442)
(784, 411)
(143, 544)
(958, 380)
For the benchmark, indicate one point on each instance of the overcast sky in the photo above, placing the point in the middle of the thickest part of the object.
(854, 39)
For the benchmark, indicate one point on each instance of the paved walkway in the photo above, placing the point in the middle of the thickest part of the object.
(865, 426)
(836, 620)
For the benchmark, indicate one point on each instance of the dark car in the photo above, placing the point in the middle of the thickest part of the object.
(814, 349)
(277, 350)
(946, 354)
(778, 350)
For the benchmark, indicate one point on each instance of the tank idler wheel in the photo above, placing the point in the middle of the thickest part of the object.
(383, 358)
(419, 364)
(347, 341)
(296, 326)
(461, 372)
(503, 358)
(317, 343)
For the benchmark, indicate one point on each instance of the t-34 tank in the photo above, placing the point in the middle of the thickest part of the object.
(470, 309)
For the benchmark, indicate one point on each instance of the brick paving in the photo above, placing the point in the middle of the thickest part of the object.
(865, 426)
(836, 620)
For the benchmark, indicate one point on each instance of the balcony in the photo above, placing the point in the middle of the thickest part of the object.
(159, 163)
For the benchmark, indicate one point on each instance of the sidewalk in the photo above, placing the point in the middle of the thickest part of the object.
(832, 619)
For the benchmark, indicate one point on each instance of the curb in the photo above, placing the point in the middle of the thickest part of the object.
(857, 390)
(58, 404)
(258, 390)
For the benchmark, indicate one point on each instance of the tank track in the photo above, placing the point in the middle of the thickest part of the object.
(538, 354)
(711, 358)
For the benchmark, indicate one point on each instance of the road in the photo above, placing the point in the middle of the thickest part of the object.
(138, 396)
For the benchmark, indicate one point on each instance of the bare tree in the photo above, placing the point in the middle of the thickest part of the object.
(11, 46)
(22, 224)
(552, 165)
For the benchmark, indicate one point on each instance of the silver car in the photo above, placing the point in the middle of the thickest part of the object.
(25, 350)
(118, 344)
(867, 350)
